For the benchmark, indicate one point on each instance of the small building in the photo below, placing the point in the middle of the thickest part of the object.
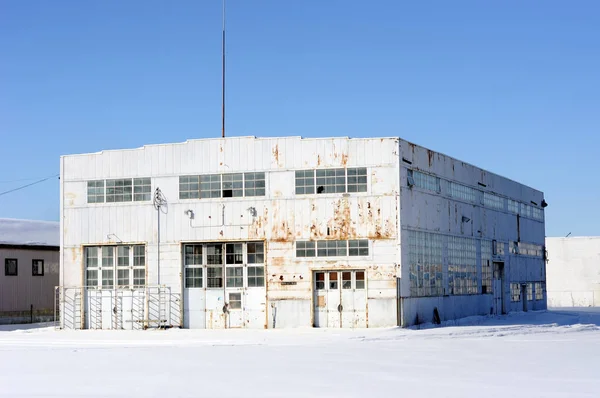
(29, 251)
(573, 271)
(248, 232)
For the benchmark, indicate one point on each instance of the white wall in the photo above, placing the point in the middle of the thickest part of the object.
(573, 272)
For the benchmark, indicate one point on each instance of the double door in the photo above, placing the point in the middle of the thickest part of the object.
(340, 299)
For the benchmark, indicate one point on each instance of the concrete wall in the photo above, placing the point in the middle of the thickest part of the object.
(573, 272)
(18, 293)
(280, 218)
(441, 213)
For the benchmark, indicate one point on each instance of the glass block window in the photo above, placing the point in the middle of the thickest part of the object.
(425, 257)
(515, 292)
(305, 249)
(256, 252)
(254, 184)
(235, 276)
(142, 189)
(358, 247)
(214, 277)
(233, 185)
(189, 187)
(119, 191)
(331, 248)
(462, 266)
(95, 191)
(210, 186)
(493, 201)
(193, 278)
(424, 181)
(462, 192)
(256, 276)
(331, 181)
(357, 180)
(305, 182)
(486, 267)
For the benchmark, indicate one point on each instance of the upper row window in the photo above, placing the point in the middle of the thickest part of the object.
(331, 181)
(120, 190)
(423, 181)
(222, 185)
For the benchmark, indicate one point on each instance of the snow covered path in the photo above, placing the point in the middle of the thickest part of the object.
(545, 354)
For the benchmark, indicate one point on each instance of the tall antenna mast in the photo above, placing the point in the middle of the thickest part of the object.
(223, 76)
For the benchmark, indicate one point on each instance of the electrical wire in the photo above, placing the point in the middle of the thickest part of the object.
(28, 185)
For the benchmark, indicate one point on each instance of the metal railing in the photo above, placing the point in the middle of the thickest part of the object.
(82, 307)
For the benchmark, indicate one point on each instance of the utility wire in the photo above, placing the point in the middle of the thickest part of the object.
(28, 185)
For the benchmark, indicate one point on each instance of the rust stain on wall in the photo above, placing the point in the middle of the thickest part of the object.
(341, 227)
(276, 153)
(430, 157)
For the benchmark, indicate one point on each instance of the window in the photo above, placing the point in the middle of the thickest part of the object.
(118, 191)
(235, 276)
(193, 277)
(235, 301)
(37, 267)
(463, 192)
(333, 280)
(513, 206)
(526, 210)
(486, 267)
(256, 253)
(11, 267)
(254, 184)
(360, 279)
(256, 276)
(529, 249)
(210, 186)
(493, 201)
(305, 249)
(234, 253)
(331, 181)
(189, 187)
(539, 290)
(515, 292)
(320, 281)
(357, 180)
(537, 213)
(95, 191)
(214, 254)
(305, 182)
(331, 248)
(425, 257)
(214, 277)
(123, 266)
(142, 189)
(346, 280)
(462, 266)
(530, 291)
(358, 247)
(499, 248)
(233, 185)
(423, 181)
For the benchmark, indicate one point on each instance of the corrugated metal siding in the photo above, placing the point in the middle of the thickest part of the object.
(18, 293)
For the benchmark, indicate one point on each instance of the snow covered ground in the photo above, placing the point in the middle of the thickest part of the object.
(541, 354)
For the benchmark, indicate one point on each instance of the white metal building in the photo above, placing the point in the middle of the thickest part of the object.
(292, 232)
(574, 271)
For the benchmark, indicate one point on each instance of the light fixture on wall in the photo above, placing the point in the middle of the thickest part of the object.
(544, 203)
(252, 211)
(190, 213)
(465, 219)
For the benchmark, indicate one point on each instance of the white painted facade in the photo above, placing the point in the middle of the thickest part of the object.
(573, 271)
(343, 286)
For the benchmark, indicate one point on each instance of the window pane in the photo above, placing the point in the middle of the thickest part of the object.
(91, 257)
(210, 186)
(346, 280)
(139, 277)
(189, 187)
(95, 191)
(214, 277)
(305, 182)
(123, 278)
(193, 277)
(214, 254)
(234, 253)
(193, 254)
(357, 180)
(333, 280)
(256, 253)
(119, 190)
(254, 184)
(331, 181)
(142, 189)
(108, 278)
(123, 256)
(108, 256)
(139, 256)
(92, 278)
(256, 276)
(235, 301)
(305, 249)
(235, 276)
(37, 267)
(233, 185)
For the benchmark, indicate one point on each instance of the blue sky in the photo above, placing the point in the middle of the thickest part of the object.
(511, 86)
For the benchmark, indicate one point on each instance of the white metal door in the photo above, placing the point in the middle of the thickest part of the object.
(194, 298)
(254, 305)
(340, 299)
(235, 315)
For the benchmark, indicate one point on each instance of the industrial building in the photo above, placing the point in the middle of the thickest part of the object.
(249, 232)
(29, 251)
(573, 271)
